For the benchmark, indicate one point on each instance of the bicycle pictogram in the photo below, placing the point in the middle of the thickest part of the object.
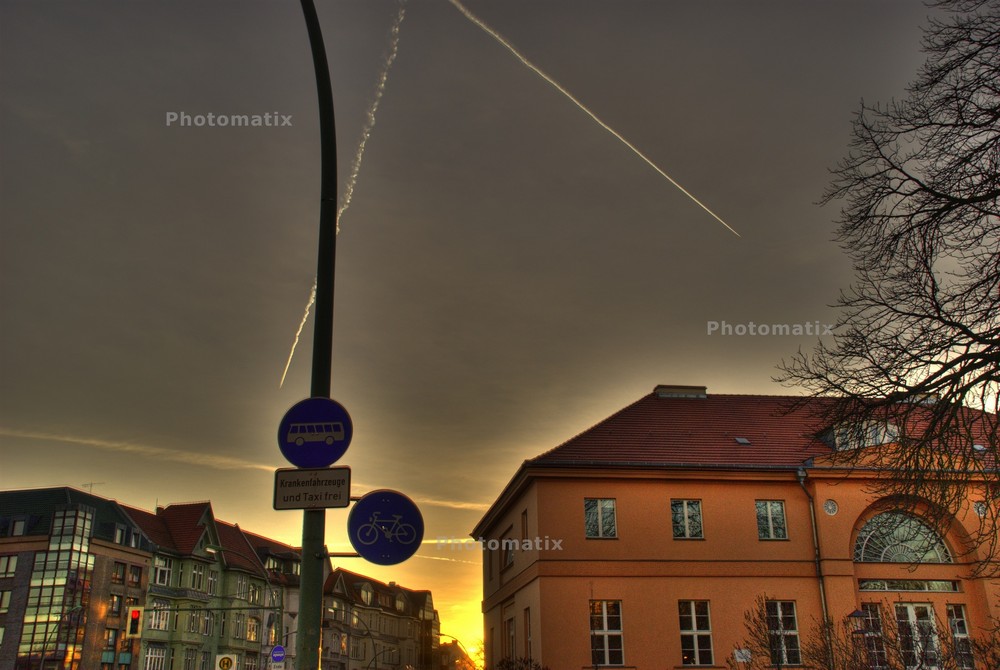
(394, 530)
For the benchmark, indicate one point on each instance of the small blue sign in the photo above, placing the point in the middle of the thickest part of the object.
(315, 433)
(385, 527)
(277, 654)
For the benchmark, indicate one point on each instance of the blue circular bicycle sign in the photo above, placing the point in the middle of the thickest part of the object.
(315, 433)
(385, 527)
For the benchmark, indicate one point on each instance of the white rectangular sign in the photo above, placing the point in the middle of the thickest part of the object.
(312, 488)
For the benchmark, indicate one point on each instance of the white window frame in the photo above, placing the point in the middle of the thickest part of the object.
(163, 569)
(160, 616)
(599, 505)
(958, 623)
(768, 532)
(692, 630)
(605, 634)
(156, 658)
(689, 509)
(198, 577)
(917, 622)
(778, 612)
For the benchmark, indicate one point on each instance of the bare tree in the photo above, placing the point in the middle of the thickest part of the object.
(918, 343)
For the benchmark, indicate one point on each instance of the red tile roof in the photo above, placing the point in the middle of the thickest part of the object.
(187, 523)
(698, 431)
(153, 526)
(236, 548)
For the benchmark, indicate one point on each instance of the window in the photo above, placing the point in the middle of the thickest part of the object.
(357, 648)
(960, 636)
(899, 537)
(783, 632)
(190, 659)
(198, 577)
(213, 582)
(162, 570)
(507, 546)
(696, 632)
(118, 573)
(945, 586)
(156, 658)
(17, 528)
(160, 620)
(863, 434)
(606, 644)
(917, 635)
(527, 633)
(115, 605)
(771, 520)
(8, 566)
(685, 517)
(872, 637)
(242, 586)
(367, 593)
(509, 638)
(4, 601)
(134, 575)
(599, 517)
(253, 629)
(206, 661)
(239, 625)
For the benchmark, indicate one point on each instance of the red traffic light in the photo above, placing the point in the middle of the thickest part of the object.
(133, 626)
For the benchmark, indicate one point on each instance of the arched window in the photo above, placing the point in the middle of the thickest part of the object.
(899, 537)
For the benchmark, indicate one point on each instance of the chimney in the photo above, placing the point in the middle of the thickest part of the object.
(667, 391)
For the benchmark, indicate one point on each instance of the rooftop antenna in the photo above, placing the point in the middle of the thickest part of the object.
(90, 486)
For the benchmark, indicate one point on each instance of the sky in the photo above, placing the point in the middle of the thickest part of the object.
(509, 272)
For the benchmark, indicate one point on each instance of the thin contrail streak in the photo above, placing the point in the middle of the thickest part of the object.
(366, 130)
(298, 333)
(159, 453)
(352, 177)
(534, 68)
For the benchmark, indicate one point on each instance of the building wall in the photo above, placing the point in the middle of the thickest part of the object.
(650, 572)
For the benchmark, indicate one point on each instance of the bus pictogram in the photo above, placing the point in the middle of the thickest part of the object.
(301, 433)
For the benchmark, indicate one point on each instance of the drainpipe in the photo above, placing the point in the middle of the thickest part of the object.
(816, 553)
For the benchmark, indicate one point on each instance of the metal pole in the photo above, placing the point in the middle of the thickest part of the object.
(314, 521)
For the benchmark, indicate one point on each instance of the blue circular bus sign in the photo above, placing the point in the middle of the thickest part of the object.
(385, 527)
(315, 433)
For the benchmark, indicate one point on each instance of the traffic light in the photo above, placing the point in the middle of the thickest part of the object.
(133, 622)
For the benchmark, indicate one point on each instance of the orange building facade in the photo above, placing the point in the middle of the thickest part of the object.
(643, 542)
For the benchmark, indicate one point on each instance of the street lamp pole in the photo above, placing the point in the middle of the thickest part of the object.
(314, 521)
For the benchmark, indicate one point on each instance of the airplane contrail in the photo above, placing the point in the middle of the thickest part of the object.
(298, 333)
(534, 68)
(159, 453)
(352, 177)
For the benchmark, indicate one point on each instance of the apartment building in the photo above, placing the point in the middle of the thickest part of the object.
(644, 541)
(371, 624)
(71, 564)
